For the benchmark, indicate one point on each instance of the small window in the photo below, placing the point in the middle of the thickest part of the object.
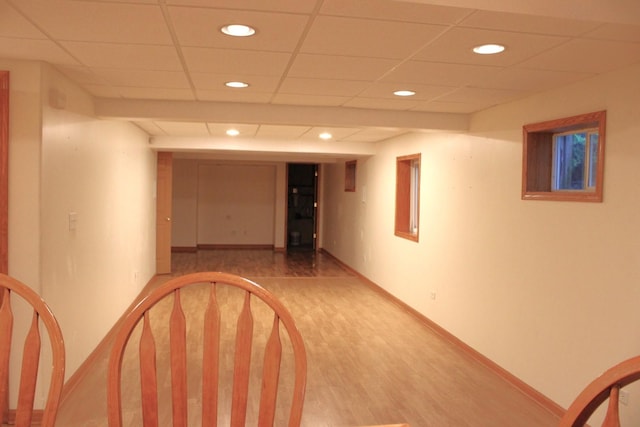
(350, 176)
(408, 196)
(564, 159)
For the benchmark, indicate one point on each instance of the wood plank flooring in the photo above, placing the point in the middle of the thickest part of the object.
(370, 362)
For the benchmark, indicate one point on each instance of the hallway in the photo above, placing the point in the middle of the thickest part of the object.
(370, 362)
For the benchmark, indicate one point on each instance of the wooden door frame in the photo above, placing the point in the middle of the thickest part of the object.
(4, 189)
(4, 172)
(164, 219)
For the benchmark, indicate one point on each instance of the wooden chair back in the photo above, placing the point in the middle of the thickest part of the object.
(211, 376)
(607, 385)
(10, 291)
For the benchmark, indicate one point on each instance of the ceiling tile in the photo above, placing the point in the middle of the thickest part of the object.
(233, 96)
(319, 100)
(386, 89)
(82, 75)
(456, 46)
(39, 50)
(257, 83)
(630, 33)
(345, 88)
(226, 61)
(395, 11)
(293, 6)
(588, 56)
(108, 55)
(274, 32)
(337, 133)
(440, 74)
(340, 67)
(472, 95)
(156, 93)
(150, 127)
(367, 38)
(220, 129)
(99, 21)
(531, 80)
(276, 131)
(382, 103)
(450, 107)
(184, 128)
(12, 24)
(144, 78)
(527, 23)
(373, 135)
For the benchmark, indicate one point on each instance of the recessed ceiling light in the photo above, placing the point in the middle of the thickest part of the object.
(233, 132)
(325, 135)
(238, 30)
(236, 84)
(404, 93)
(488, 49)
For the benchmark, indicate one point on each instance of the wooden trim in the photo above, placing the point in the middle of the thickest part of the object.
(190, 249)
(4, 172)
(403, 196)
(516, 382)
(206, 246)
(537, 161)
(350, 175)
(4, 187)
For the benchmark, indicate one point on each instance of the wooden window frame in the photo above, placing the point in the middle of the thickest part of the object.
(537, 157)
(403, 226)
(350, 176)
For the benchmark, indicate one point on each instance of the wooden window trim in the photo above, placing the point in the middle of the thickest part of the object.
(350, 176)
(537, 157)
(403, 198)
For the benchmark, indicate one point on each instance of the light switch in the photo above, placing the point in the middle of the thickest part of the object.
(73, 218)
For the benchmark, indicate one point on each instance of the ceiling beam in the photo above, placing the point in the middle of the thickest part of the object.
(219, 112)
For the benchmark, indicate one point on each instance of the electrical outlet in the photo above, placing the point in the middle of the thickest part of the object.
(624, 397)
(433, 295)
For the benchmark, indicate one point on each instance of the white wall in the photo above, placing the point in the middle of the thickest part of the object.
(104, 172)
(228, 203)
(548, 290)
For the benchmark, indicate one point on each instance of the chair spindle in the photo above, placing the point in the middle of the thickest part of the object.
(148, 379)
(242, 364)
(6, 328)
(210, 362)
(178, 337)
(270, 375)
(29, 374)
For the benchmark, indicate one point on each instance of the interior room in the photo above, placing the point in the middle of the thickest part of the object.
(291, 141)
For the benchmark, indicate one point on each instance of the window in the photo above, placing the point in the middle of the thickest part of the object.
(564, 159)
(350, 176)
(408, 196)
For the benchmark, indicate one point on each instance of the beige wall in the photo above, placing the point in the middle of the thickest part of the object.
(65, 160)
(104, 172)
(227, 203)
(548, 290)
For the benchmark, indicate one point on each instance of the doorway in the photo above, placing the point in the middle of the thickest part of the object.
(302, 206)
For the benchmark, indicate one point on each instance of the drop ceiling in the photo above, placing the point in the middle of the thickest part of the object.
(315, 65)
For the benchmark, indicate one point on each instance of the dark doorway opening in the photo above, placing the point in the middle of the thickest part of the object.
(302, 205)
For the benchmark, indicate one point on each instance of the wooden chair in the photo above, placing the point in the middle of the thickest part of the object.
(607, 385)
(11, 291)
(223, 364)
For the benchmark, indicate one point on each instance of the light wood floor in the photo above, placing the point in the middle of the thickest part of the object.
(370, 362)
